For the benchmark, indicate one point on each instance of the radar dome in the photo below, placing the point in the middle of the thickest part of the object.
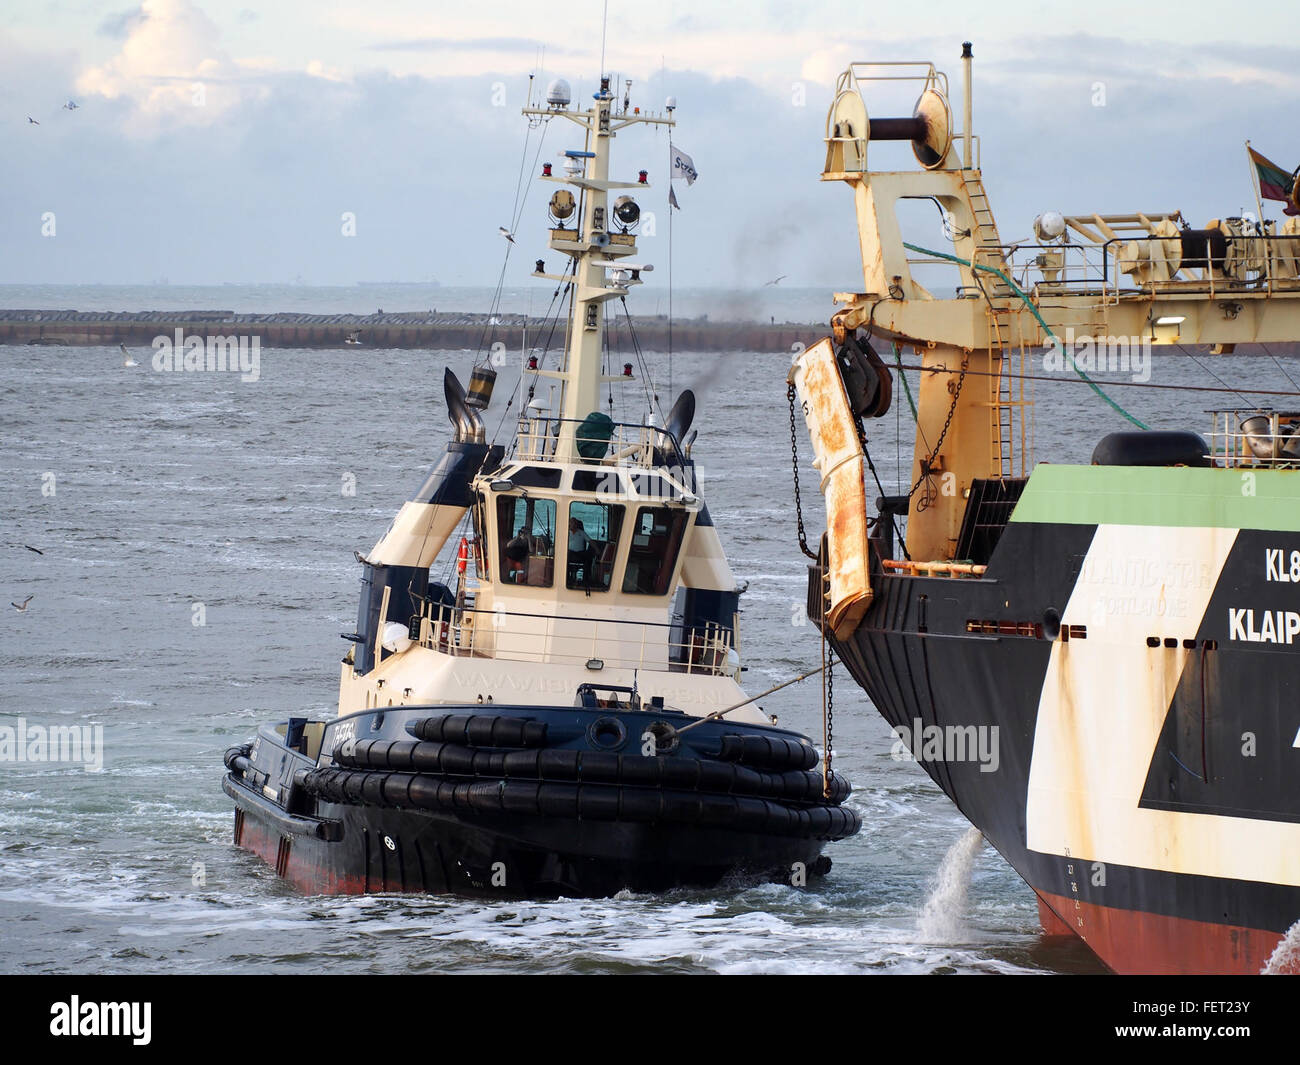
(558, 93)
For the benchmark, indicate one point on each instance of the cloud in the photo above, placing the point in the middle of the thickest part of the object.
(252, 185)
(170, 66)
(119, 24)
(438, 44)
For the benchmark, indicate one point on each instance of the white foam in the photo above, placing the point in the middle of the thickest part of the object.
(943, 917)
(1285, 959)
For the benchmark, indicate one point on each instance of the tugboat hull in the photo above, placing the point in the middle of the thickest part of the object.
(409, 851)
(396, 812)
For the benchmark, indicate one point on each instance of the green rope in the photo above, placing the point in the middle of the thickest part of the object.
(907, 389)
(1034, 310)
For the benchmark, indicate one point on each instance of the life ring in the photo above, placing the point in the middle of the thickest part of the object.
(462, 556)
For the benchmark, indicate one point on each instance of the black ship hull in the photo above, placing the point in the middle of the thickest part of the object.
(558, 802)
(1116, 708)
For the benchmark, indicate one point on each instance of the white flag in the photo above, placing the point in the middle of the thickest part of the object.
(683, 165)
(672, 197)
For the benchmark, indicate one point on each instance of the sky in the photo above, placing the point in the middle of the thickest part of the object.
(225, 140)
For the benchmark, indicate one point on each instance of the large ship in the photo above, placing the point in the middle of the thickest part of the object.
(1097, 662)
(555, 708)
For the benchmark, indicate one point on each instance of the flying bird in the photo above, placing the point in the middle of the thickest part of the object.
(71, 105)
(506, 233)
(32, 121)
(775, 281)
(36, 549)
(22, 609)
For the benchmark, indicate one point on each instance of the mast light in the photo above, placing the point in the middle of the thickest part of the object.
(626, 210)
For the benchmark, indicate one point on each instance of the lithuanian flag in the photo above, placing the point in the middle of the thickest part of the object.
(1275, 183)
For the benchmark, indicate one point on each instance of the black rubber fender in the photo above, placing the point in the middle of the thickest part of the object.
(480, 730)
(242, 751)
(572, 801)
(768, 752)
(601, 767)
(1152, 447)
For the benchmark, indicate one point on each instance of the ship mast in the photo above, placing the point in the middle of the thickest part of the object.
(597, 247)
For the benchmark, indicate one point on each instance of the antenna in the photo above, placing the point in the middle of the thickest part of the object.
(604, 25)
(670, 105)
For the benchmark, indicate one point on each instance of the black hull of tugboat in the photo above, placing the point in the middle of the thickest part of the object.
(396, 812)
(410, 851)
(1144, 785)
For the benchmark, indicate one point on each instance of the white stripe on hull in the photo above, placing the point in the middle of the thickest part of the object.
(1104, 703)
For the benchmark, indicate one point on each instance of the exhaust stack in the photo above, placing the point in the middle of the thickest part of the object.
(966, 57)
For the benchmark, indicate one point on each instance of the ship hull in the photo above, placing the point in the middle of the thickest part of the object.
(1138, 770)
(538, 814)
(412, 852)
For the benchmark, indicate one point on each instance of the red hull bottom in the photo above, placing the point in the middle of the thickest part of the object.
(1132, 942)
(279, 853)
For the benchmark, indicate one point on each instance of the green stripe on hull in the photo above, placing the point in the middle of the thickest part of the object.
(1176, 496)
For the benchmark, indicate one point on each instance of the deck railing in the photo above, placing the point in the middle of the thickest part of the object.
(513, 636)
(627, 444)
(1255, 438)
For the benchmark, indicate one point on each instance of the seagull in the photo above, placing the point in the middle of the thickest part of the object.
(71, 105)
(775, 281)
(127, 357)
(22, 609)
(36, 549)
(32, 121)
(506, 233)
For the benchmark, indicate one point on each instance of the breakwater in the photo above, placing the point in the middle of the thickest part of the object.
(402, 329)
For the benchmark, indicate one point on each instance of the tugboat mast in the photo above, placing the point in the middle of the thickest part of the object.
(598, 275)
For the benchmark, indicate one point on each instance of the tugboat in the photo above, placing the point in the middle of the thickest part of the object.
(561, 714)
(1096, 662)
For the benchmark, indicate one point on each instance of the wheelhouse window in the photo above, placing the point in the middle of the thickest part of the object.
(652, 554)
(526, 534)
(479, 514)
(592, 537)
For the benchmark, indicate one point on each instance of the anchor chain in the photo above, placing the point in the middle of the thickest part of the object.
(924, 476)
(830, 721)
(828, 697)
(794, 459)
